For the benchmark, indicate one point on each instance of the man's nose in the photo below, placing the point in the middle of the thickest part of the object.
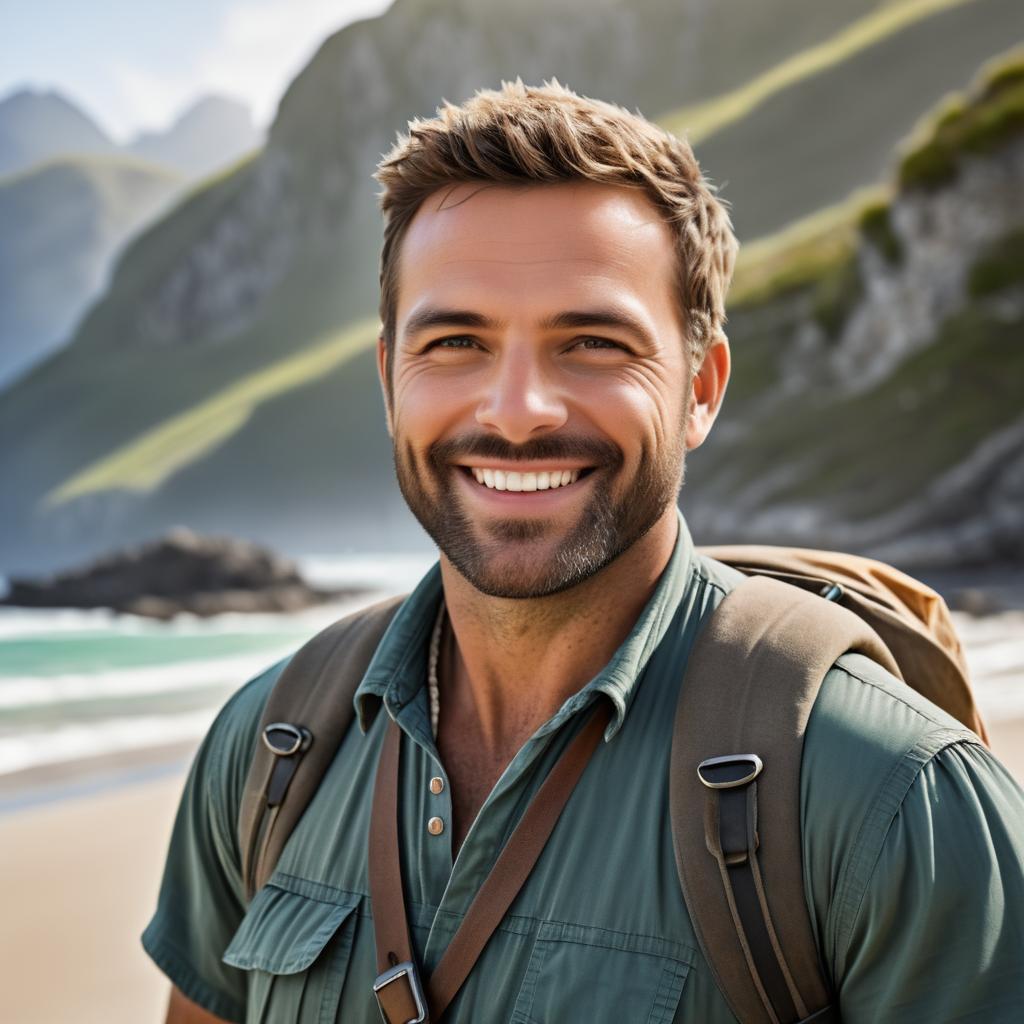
(521, 399)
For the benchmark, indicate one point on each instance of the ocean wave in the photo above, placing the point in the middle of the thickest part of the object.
(73, 741)
(37, 691)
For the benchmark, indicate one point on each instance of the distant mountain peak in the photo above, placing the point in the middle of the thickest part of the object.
(39, 123)
(211, 132)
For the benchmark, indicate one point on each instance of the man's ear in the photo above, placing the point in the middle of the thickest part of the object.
(707, 389)
(382, 373)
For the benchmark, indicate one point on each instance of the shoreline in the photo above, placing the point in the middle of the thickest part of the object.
(62, 781)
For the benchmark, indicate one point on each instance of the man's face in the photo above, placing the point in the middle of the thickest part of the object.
(539, 390)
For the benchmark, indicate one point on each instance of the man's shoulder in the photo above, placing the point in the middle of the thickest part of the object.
(869, 736)
(863, 706)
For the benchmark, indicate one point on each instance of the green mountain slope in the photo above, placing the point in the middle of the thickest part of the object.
(272, 260)
(62, 223)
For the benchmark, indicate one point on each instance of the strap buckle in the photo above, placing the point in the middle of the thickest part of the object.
(730, 771)
(400, 995)
(287, 743)
(283, 739)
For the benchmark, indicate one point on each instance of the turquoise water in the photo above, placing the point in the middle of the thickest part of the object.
(53, 654)
(78, 683)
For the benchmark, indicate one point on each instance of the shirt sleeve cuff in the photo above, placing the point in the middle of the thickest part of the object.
(185, 977)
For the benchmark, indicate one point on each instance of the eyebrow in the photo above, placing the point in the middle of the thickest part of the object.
(606, 316)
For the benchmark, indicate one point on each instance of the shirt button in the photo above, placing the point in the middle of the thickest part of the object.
(436, 785)
(435, 826)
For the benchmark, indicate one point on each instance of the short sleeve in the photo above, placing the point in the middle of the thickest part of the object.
(202, 895)
(939, 932)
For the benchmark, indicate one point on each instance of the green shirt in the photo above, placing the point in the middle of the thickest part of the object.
(913, 847)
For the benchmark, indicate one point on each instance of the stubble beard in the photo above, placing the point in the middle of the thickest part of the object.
(502, 565)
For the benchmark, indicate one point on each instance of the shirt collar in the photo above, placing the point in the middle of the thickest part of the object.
(398, 671)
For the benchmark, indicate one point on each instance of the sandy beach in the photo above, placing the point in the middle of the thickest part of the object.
(78, 881)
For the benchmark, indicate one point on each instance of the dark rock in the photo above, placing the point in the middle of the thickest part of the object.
(180, 572)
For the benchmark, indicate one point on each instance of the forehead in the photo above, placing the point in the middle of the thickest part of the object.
(537, 246)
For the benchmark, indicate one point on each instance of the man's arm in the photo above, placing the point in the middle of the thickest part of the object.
(202, 899)
(938, 934)
(181, 1010)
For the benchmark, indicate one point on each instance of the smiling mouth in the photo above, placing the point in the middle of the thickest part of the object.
(510, 480)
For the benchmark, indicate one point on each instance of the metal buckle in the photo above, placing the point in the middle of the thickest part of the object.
(294, 738)
(732, 770)
(407, 970)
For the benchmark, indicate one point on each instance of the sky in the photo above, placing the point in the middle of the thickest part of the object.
(134, 65)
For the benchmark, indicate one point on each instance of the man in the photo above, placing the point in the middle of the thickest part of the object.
(553, 282)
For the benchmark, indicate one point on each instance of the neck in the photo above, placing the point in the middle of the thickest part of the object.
(514, 662)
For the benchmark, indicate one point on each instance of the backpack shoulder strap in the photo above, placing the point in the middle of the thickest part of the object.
(734, 791)
(304, 721)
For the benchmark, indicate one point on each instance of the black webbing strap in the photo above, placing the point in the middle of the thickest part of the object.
(730, 823)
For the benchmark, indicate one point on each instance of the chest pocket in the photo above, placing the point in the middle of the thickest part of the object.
(577, 973)
(296, 948)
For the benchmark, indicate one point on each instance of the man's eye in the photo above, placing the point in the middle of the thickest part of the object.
(598, 343)
(454, 341)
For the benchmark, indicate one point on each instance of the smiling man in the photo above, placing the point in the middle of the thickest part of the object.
(552, 304)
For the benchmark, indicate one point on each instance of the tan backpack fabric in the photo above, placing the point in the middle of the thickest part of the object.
(911, 618)
(750, 684)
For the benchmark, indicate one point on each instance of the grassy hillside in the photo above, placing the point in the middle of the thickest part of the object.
(216, 369)
(150, 460)
(698, 121)
(809, 145)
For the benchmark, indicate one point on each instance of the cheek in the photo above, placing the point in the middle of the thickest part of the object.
(425, 407)
(640, 408)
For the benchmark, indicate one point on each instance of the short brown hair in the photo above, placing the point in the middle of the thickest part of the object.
(521, 135)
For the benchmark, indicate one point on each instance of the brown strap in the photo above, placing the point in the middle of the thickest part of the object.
(499, 889)
(389, 922)
(314, 694)
(750, 684)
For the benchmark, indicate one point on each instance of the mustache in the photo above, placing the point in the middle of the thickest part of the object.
(555, 446)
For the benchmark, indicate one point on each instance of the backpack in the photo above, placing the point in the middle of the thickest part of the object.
(765, 649)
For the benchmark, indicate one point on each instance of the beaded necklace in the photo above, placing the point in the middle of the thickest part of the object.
(435, 654)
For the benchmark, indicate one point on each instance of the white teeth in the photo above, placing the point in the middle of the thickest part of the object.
(502, 480)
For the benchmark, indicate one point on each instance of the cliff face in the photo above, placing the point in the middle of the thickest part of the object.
(940, 234)
(891, 418)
